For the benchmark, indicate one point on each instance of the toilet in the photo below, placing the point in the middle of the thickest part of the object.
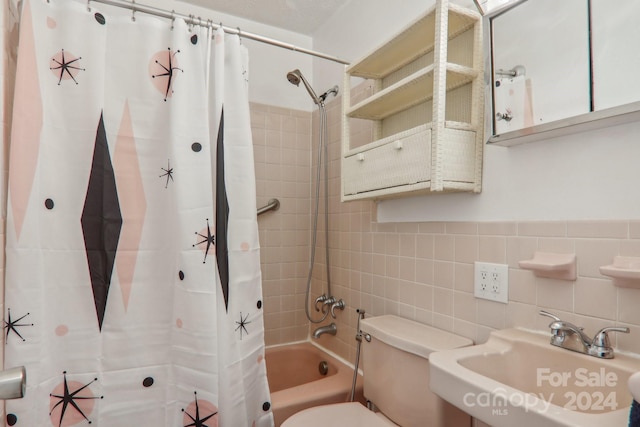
(395, 361)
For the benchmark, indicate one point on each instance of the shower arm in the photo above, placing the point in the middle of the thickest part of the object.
(315, 97)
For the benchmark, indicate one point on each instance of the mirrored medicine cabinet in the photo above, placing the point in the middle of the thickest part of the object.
(558, 67)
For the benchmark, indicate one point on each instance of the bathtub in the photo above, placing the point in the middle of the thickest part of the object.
(296, 382)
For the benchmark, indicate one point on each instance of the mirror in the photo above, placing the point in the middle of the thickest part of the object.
(615, 33)
(549, 52)
(554, 68)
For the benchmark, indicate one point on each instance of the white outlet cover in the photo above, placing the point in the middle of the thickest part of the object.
(491, 281)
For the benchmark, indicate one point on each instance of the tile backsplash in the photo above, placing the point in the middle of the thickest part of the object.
(423, 271)
(282, 155)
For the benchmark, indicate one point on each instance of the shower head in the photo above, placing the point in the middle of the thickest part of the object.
(295, 77)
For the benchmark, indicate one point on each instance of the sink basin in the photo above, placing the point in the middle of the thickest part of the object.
(517, 378)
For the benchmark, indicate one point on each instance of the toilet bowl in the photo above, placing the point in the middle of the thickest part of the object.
(396, 380)
(338, 415)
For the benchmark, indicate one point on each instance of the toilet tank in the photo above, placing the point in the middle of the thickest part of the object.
(396, 372)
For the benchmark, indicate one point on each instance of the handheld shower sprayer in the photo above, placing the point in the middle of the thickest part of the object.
(325, 303)
(295, 77)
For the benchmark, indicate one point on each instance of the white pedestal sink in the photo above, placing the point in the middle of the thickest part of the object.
(517, 378)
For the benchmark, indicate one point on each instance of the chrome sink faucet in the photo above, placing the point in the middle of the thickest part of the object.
(572, 337)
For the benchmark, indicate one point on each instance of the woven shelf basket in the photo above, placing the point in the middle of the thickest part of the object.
(427, 107)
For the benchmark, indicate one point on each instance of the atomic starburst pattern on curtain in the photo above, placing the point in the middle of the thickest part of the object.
(166, 68)
(120, 152)
(71, 401)
(200, 412)
(65, 67)
(13, 325)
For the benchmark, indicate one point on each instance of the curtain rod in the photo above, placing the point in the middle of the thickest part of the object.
(192, 20)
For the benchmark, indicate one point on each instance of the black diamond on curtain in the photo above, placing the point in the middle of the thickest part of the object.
(101, 222)
(222, 217)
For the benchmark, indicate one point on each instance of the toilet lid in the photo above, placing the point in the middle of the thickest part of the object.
(340, 415)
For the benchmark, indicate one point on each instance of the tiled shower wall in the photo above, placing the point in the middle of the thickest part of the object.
(424, 271)
(286, 165)
(282, 153)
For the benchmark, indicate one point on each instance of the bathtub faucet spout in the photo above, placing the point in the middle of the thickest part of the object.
(331, 329)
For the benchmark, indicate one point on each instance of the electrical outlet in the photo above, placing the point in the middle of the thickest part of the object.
(491, 281)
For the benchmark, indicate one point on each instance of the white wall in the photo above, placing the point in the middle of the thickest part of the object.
(582, 176)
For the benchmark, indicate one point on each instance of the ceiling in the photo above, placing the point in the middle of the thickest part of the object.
(300, 16)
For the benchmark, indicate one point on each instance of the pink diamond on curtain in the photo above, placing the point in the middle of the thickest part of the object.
(132, 203)
(27, 123)
(101, 222)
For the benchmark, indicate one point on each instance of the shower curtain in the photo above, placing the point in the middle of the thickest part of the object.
(133, 285)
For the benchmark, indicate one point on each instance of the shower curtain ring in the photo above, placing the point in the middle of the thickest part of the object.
(239, 34)
(173, 18)
(88, 5)
(133, 10)
(191, 19)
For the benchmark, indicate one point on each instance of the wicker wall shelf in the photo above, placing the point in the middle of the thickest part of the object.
(625, 271)
(427, 109)
(552, 265)
(413, 41)
(409, 91)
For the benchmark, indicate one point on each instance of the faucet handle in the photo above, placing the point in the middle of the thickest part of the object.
(551, 315)
(602, 337)
(338, 304)
(321, 299)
